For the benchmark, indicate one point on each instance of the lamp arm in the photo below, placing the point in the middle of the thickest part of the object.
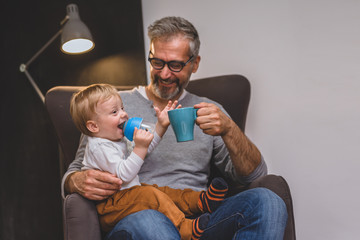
(24, 67)
(35, 86)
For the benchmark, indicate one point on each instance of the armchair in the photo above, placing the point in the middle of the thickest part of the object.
(79, 214)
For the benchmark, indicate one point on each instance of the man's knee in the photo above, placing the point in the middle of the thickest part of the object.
(262, 201)
(270, 203)
(146, 224)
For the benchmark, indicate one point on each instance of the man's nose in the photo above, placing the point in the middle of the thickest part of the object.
(165, 72)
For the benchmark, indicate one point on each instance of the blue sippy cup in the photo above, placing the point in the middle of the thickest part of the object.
(138, 123)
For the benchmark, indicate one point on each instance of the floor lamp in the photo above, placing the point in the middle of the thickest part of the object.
(75, 39)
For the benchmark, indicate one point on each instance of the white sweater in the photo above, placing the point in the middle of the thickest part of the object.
(116, 158)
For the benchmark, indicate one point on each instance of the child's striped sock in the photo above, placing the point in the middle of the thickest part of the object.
(199, 225)
(210, 200)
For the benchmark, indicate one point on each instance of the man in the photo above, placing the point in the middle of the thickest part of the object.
(253, 214)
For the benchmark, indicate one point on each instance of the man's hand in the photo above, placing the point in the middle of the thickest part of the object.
(212, 120)
(93, 184)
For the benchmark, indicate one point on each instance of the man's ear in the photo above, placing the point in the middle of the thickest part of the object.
(196, 64)
(92, 126)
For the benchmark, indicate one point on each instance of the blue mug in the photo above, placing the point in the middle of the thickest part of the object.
(182, 121)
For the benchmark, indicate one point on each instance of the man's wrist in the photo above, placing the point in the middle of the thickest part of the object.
(230, 128)
(68, 186)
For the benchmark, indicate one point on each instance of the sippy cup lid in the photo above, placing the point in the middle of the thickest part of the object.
(130, 125)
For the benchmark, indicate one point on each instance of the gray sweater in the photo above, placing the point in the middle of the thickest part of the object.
(177, 164)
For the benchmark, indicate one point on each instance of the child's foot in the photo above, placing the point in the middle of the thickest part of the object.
(199, 225)
(210, 200)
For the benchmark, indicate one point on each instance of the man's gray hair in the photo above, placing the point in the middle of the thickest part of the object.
(169, 27)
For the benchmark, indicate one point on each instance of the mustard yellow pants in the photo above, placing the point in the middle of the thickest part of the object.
(176, 204)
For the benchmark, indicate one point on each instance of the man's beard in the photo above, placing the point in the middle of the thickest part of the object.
(165, 94)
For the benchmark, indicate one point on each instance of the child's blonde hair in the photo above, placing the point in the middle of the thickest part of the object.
(83, 103)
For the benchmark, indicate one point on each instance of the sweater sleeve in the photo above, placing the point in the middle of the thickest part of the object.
(156, 140)
(76, 165)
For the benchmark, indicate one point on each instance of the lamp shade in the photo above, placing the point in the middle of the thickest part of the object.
(76, 37)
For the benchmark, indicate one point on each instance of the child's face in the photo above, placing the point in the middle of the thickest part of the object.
(109, 115)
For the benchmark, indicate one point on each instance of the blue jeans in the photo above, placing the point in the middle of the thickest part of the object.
(253, 214)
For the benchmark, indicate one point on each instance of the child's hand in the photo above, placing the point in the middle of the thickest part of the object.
(163, 118)
(142, 140)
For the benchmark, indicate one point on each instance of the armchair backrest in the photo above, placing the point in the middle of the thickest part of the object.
(231, 91)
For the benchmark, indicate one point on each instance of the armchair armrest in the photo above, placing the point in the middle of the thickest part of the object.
(80, 219)
(278, 185)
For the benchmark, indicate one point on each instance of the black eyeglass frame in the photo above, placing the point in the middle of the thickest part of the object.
(183, 64)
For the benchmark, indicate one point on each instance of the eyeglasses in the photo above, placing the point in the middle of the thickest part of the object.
(175, 66)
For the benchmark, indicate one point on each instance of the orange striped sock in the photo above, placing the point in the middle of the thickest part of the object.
(199, 225)
(210, 200)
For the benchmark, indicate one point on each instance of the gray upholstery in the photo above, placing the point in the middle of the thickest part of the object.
(80, 218)
(232, 91)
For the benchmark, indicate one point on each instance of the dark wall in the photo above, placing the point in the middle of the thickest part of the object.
(30, 201)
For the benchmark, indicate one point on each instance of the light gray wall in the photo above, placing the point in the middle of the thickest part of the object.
(302, 59)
